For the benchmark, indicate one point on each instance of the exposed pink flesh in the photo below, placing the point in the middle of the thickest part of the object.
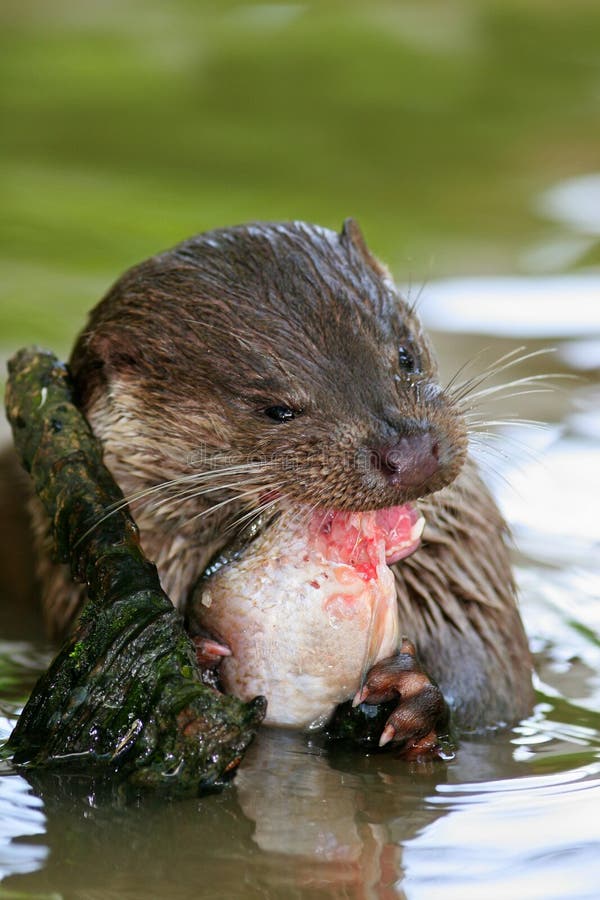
(356, 538)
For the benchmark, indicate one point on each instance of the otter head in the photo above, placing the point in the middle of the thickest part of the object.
(262, 362)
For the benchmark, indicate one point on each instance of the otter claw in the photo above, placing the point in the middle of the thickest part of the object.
(421, 714)
(209, 652)
(388, 734)
(360, 696)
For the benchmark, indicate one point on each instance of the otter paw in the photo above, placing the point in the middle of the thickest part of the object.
(209, 652)
(421, 715)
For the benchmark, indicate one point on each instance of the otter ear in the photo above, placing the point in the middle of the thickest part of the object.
(353, 238)
(115, 352)
(99, 359)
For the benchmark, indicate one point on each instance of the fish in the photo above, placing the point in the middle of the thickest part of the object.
(305, 608)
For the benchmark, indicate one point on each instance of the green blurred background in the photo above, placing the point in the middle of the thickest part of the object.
(129, 125)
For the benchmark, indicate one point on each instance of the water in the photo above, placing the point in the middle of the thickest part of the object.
(466, 141)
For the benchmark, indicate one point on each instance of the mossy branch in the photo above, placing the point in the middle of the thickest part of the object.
(125, 693)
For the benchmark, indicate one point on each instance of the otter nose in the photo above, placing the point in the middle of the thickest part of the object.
(411, 460)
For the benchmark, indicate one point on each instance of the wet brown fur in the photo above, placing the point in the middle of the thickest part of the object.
(175, 370)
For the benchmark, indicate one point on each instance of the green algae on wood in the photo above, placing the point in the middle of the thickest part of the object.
(124, 694)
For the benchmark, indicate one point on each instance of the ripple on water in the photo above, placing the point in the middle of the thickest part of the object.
(535, 838)
(21, 815)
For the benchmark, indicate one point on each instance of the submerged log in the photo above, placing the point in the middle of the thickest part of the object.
(124, 694)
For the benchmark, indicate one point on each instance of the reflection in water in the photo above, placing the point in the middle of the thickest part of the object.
(312, 823)
(296, 824)
(298, 810)
(301, 824)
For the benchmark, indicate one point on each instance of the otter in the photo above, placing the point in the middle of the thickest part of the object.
(278, 363)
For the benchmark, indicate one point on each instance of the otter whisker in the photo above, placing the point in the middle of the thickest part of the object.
(493, 368)
(302, 514)
(192, 493)
(199, 487)
(310, 511)
(243, 477)
(475, 408)
(482, 450)
(413, 305)
(486, 453)
(479, 440)
(195, 476)
(508, 361)
(254, 513)
(526, 381)
(236, 497)
(254, 488)
(473, 422)
(486, 439)
(485, 464)
(140, 495)
(504, 438)
(469, 362)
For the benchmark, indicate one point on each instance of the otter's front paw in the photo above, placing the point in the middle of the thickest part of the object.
(209, 653)
(421, 716)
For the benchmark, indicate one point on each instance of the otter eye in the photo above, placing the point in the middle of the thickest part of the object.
(280, 413)
(406, 360)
